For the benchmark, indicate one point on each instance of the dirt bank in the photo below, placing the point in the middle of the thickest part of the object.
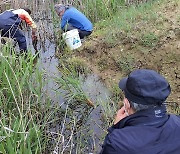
(159, 51)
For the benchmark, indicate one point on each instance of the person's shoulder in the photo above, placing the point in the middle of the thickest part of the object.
(72, 10)
(20, 11)
(122, 136)
(133, 135)
(123, 140)
(175, 118)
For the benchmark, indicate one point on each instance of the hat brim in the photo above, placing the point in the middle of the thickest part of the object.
(122, 83)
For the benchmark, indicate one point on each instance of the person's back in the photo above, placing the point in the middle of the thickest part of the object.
(76, 19)
(8, 18)
(144, 138)
(71, 19)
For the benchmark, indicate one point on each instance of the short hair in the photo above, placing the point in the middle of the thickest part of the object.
(138, 107)
(59, 8)
(27, 10)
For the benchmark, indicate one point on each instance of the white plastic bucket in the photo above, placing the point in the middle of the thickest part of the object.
(72, 39)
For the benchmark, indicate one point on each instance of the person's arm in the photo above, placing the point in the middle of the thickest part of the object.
(26, 17)
(64, 22)
(66, 19)
(107, 147)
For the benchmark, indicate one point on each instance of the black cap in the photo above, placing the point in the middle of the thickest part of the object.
(144, 86)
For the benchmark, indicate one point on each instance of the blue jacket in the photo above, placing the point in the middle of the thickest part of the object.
(76, 19)
(143, 133)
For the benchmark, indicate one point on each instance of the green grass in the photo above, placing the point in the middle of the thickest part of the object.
(30, 122)
(24, 116)
(21, 133)
(129, 22)
(100, 9)
(149, 40)
(125, 63)
(71, 83)
(77, 65)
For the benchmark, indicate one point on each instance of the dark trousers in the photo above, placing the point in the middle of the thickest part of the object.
(82, 33)
(14, 33)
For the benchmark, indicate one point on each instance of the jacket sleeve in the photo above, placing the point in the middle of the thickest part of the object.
(108, 147)
(64, 22)
(26, 17)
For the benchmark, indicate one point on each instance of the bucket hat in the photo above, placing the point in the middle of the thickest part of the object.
(144, 86)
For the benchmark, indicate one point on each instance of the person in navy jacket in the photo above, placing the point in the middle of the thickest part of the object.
(71, 18)
(10, 21)
(142, 125)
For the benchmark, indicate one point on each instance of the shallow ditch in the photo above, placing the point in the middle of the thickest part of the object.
(91, 85)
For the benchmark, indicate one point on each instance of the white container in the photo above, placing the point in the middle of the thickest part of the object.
(72, 39)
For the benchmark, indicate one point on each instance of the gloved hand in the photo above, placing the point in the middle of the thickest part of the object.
(34, 31)
(34, 38)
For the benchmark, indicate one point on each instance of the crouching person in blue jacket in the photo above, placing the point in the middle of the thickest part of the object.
(71, 18)
(142, 125)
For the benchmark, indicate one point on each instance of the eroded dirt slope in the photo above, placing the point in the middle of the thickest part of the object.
(112, 62)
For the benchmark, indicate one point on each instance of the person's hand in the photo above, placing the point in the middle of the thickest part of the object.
(34, 38)
(120, 115)
(34, 31)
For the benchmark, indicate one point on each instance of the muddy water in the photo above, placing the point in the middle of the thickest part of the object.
(48, 63)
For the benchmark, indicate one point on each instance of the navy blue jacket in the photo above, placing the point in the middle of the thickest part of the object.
(76, 19)
(9, 24)
(145, 132)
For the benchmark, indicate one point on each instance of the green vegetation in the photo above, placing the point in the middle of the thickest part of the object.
(149, 40)
(101, 9)
(125, 63)
(30, 122)
(128, 21)
(71, 83)
(19, 98)
(24, 116)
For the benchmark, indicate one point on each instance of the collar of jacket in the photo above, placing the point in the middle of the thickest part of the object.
(155, 116)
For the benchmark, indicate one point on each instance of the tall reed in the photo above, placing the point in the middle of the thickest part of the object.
(24, 114)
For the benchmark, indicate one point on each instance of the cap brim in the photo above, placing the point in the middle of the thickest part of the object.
(122, 83)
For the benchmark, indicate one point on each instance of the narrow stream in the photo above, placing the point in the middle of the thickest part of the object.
(48, 63)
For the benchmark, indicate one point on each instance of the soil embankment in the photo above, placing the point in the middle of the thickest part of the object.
(159, 49)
